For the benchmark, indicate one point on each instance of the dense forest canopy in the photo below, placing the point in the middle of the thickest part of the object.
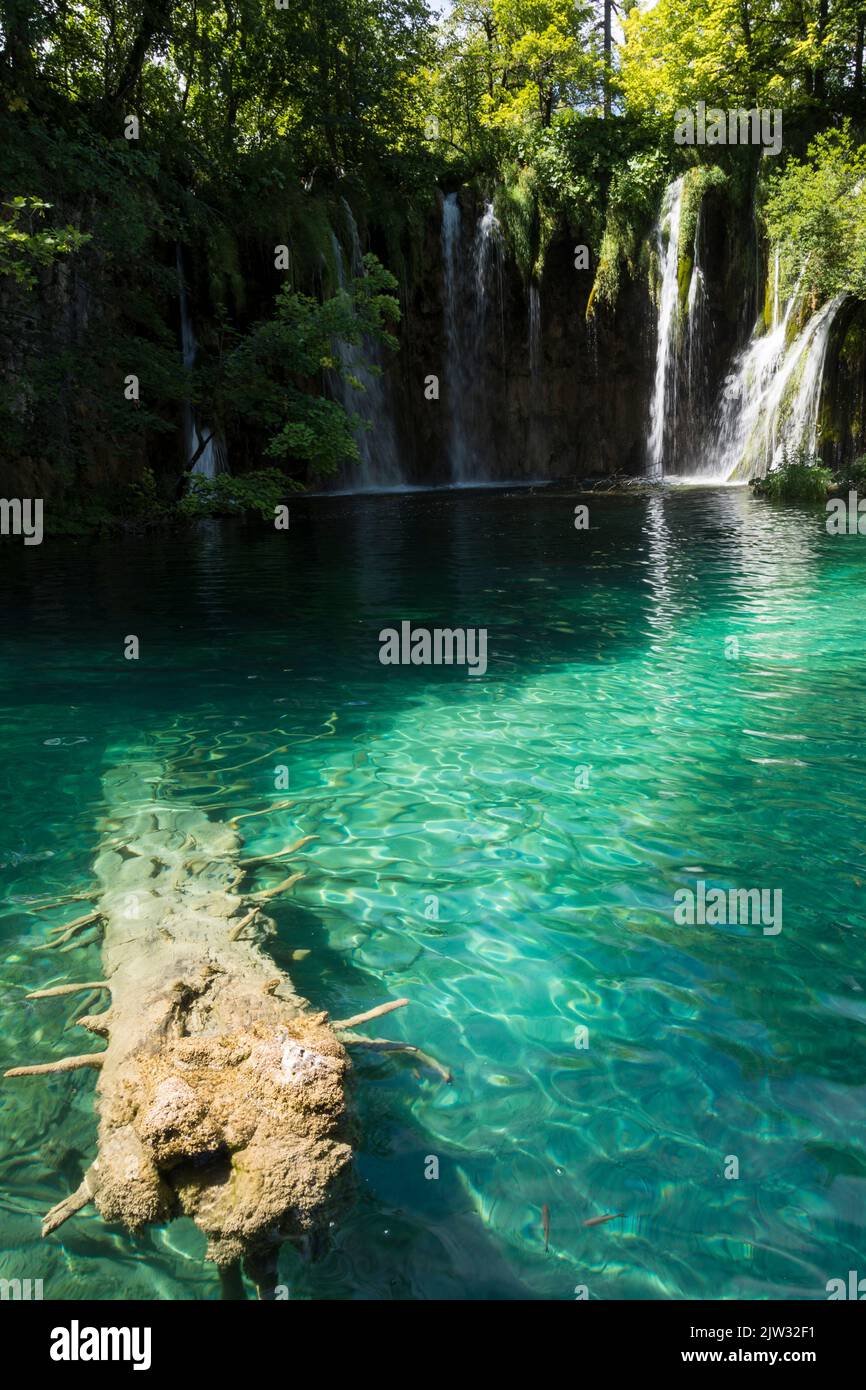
(130, 128)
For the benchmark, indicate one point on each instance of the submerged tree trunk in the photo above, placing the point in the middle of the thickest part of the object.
(220, 1092)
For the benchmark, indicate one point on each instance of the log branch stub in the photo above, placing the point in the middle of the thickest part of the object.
(365, 1017)
(386, 1045)
(56, 990)
(81, 1197)
(89, 1059)
(283, 887)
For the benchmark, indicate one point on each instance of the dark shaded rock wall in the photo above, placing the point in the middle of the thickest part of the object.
(582, 411)
(842, 423)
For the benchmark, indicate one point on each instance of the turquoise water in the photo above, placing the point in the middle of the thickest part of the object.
(464, 860)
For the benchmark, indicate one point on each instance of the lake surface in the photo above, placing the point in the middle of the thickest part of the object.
(502, 850)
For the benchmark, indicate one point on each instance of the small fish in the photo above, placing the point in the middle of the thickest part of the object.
(19, 857)
(600, 1220)
(545, 1226)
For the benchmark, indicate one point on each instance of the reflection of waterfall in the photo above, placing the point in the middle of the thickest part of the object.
(468, 321)
(213, 458)
(772, 396)
(666, 607)
(378, 465)
(663, 403)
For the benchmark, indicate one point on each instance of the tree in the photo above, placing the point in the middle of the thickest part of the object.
(816, 215)
(269, 375)
(748, 53)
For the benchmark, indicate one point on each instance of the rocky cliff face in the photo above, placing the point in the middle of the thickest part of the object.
(526, 387)
(843, 413)
(66, 428)
(573, 402)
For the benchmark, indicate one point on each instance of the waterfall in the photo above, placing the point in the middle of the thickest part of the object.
(697, 325)
(213, 457)
(379, 457)
(487, 255)
(357, 256)
(693, 365)
(467, 312)
(696, 308)
(771, 399)
(534, 330)
(455, 367)
(663, 402)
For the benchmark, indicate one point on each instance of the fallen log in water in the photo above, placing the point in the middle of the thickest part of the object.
(220, 1093)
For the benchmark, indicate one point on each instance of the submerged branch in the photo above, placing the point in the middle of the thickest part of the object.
(370, 1013)
(90, 1059)
(244, 922)
(56, 990)
(65, 933)
(248, 815)
(386, 1045)
(266, 858)
(81, 1197)
(280, 888)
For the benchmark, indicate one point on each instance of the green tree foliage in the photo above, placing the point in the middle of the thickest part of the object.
(507, 68)
(25, 243)
(268, 374)
(788, 53)
(225, 495)
(816, 215)
(800, 477)
(250, 118)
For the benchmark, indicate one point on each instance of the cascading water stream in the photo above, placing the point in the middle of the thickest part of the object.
(771, 399)
(379, 466)
(455, 370)
(467, 304)
(663, 402)
(212, 458)
(487, 260)
(534, 330)
(698, 329)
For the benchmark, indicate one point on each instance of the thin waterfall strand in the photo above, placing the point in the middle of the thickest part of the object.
(455, 371)
(213, 458)
(378, 465)
(534, 330)
(663, 401)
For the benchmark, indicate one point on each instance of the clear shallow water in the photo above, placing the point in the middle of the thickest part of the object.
(555, 904)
